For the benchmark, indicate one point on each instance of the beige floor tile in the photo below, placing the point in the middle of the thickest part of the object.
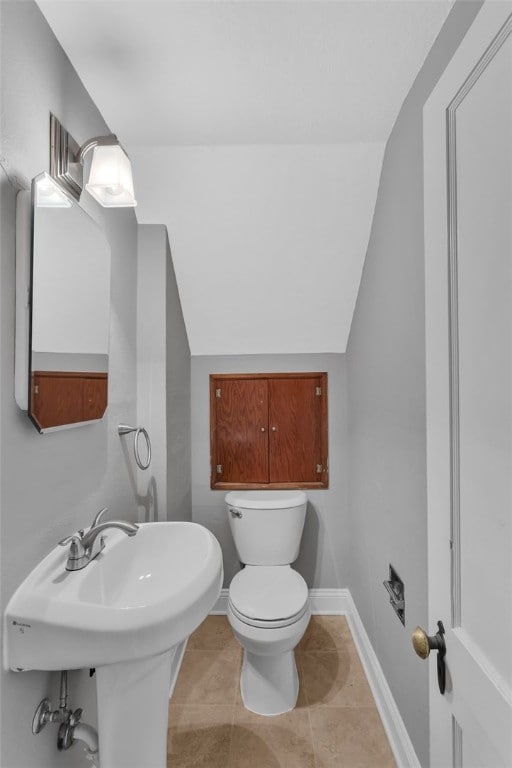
(214, 634)
(284, 741)
(346, 737)
(302, 699)
(326, 633)
(334, 679)
(199, 736)
(208, 677)
(334, 725)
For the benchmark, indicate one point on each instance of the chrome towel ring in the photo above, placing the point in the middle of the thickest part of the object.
(125, 429)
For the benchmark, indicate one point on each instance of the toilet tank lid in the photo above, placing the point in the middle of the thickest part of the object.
(266, 499)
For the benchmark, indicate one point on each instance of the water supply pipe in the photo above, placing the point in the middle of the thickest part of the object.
(70, 728)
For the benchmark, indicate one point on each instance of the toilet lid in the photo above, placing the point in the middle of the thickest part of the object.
(268, 593)
(265, 499)
(276, 624)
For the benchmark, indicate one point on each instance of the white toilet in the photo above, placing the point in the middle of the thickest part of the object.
(268, 605)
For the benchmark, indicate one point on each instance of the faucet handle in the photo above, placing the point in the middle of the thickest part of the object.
(77, 556)
(98, 517)
(77, 549)
(78, 536)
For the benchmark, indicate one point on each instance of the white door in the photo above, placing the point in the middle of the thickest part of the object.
(468, 241)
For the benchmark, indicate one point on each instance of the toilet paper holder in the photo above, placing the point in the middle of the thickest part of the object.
(396, 591)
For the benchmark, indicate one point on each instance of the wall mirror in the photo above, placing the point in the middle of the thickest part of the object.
(63, 310)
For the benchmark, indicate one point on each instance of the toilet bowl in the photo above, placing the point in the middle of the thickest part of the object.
(268, 607)
(268, 630)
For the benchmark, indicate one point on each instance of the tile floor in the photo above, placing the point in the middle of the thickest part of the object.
(334, 725)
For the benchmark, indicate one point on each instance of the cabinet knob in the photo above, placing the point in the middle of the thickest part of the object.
(274, 429)
(262, 429)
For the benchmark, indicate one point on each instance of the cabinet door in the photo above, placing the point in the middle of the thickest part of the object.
(241, 433)
(95, 397)
(295, 422)
(56, 399)
(67, 397)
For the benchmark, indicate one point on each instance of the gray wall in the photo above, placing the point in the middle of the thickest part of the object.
(163, 381)
(178, 402)
(151, 375)
(386, 396)
(53, 484)
(323, 554)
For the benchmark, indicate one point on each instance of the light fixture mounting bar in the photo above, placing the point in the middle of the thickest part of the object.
(65, 165)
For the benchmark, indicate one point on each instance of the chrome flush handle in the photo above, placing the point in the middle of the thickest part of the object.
(235, 512)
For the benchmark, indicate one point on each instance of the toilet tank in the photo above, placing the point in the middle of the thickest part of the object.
(267, 525)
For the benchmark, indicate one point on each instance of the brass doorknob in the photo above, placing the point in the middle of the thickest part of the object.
(424, 643)
(420, 642)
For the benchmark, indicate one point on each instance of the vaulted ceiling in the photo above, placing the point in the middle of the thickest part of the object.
(256, 131)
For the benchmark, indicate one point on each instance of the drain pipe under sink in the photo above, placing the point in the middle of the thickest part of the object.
(89, 737)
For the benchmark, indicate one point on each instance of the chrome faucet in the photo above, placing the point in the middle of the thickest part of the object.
(84, 547)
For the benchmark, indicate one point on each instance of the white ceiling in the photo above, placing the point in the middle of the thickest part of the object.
(256, 131)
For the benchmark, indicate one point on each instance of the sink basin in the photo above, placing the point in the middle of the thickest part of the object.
(138, 598)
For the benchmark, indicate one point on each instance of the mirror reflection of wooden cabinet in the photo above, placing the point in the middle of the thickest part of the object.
(59, 397)
(62, 309)
(268, 430)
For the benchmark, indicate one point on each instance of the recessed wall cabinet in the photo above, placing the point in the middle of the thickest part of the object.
(268, 430)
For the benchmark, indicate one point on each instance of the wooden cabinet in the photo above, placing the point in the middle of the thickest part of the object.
(61, 397)
(268, 430)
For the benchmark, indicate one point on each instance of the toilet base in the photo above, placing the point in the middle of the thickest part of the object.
(269, 684)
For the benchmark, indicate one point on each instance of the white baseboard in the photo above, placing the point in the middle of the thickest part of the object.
(221, 606)
(330, 601)
(323, 601)
(394, 726)
(340, 602)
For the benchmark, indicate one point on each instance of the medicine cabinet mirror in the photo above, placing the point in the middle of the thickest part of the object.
(63, 309)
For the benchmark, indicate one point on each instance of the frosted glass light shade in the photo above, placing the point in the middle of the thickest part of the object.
(110, 178)
(49, 194)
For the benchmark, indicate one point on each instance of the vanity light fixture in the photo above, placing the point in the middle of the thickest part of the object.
(110, 177)
(49, 194)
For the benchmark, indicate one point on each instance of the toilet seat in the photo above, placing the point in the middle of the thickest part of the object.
(264, 624)
(268, 596)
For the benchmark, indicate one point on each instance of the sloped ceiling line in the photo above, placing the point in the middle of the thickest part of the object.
(256, 132)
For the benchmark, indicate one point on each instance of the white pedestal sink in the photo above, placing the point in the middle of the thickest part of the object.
(123, 614)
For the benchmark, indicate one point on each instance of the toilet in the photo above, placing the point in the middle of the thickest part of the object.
(268, 606)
